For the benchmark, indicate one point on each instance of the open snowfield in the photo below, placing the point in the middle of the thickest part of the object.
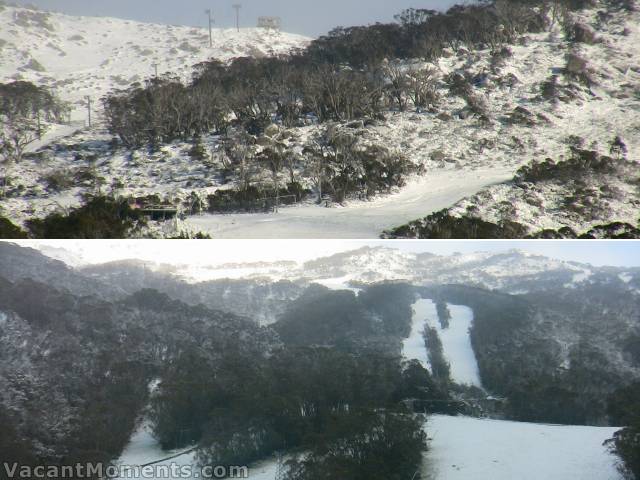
(89, 56)
(455, 340)
(465, 448)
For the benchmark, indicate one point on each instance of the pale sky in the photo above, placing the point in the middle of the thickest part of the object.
(597, 253)
(307, 17)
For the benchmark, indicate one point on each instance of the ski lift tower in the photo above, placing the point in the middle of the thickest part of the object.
(237, 7)
(209, 12)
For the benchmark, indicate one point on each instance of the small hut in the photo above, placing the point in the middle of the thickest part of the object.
(270, 23)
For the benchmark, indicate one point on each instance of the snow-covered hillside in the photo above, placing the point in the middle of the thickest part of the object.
(468, 448)
(80, 56)
(512, 271)
(515, 271)
(459, 155)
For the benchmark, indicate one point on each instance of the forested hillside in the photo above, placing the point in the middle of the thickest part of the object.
(90, 358)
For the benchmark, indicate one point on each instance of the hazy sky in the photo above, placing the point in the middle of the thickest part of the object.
(614, 253)
(308, 17)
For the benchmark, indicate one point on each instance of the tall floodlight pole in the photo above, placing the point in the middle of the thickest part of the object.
(237, 6)
(155, 66)
(209, 12)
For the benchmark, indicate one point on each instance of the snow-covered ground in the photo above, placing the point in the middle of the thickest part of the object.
(80, 56)
(460, 448)
(413, 347)
(438, 189)
(465, 448)
(456, 343)
(339, 283)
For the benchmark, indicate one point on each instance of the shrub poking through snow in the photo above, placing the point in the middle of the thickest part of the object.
(460, 86)
(577, 68)
(442, 225)
(100, 217)
(579, 32)
(9, 231)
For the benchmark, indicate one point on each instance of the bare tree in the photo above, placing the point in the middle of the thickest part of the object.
(239, 147)
(421, 87)
(274, 156)
(398, 85)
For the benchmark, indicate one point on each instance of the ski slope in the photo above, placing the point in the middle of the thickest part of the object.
(464, 448)
(455, 340)
(413, 347)
(338, 283)
(438, 189)
(457, 346)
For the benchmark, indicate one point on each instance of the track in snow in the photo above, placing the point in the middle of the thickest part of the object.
(431, 193)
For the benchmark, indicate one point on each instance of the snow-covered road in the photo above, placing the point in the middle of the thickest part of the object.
(359, 220)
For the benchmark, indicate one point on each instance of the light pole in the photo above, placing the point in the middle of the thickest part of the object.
(237, 6)
(209, 12)
(155, 66)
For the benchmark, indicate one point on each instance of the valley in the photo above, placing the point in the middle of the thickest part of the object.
(293, 350)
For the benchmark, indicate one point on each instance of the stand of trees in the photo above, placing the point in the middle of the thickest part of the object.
(343, 76)
(78, 395)
(365, 446)
(241, 410)
(444, 314)
(25, 111)
(624, 409)
(439, 365)
(99, 217)
(379, 315)
(335, 389)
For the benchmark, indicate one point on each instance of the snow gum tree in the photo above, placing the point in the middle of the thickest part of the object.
(25, 111)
